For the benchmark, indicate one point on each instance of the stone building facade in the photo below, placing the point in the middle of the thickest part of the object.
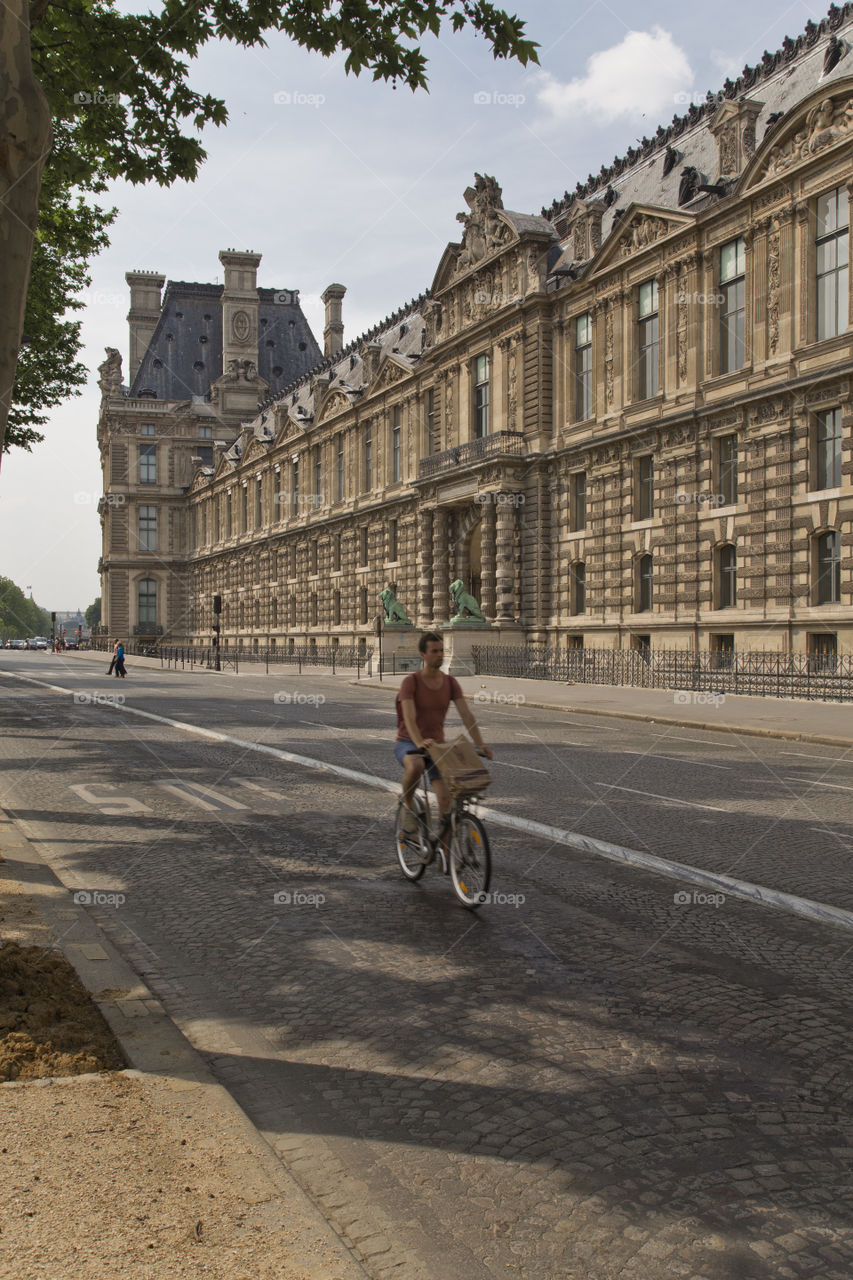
(624, 422)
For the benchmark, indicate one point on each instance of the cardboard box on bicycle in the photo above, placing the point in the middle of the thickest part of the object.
(460, 767)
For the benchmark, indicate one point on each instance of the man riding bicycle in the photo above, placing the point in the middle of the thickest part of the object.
(422, 705)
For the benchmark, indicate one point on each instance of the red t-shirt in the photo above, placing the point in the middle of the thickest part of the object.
(430, 705)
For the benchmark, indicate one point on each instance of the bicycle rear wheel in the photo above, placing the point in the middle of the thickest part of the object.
(411, 853)
(470, 861)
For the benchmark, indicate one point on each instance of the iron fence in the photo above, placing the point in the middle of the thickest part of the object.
(818, 677)
(230, 659)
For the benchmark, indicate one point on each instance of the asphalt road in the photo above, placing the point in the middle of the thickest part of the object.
(592, 1078)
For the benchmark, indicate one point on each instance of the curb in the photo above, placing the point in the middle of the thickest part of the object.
(159, 1053)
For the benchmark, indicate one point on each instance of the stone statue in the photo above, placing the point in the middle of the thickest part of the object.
(394, 611)
(466, 605)
(110, 371)
(484, 231)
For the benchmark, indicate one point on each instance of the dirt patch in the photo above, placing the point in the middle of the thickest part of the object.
(49, 1025)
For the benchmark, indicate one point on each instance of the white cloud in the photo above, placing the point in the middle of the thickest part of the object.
(640, 75)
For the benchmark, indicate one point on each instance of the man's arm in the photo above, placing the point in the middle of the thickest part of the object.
(471, 725)
(411, 723)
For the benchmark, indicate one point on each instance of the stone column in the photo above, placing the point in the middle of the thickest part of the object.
(425, 550)
(487, 560)
(505, 573)
(440, 580)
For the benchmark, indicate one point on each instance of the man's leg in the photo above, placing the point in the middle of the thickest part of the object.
(442, 796)
(413, 767)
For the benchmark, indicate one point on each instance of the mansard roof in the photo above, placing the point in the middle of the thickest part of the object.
(779, 81)
(184, 356)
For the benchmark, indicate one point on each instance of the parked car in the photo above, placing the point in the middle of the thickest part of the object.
(16, 644)
(39, 642)
(71, 642)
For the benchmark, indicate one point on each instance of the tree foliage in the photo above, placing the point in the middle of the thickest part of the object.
(19, 616)
(117, 86)
(92, 614)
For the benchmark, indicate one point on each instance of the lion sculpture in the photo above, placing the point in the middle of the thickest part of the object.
(394, 611)
(466, 605)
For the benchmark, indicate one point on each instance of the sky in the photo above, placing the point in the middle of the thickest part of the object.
(334, 179)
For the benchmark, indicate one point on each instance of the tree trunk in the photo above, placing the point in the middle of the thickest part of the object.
(24, 145)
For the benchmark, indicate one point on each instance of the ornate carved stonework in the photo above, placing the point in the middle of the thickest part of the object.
(827, 124)
(241, 327)
(110, 371)
(644, 230)
(773, 287)
(608, 356)
(484, 230)
(681, 327)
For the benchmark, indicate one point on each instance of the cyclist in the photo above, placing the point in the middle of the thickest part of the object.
(422, 705)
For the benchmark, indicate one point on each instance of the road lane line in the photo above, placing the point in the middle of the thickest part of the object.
(817, 912)
(691, 804)
(183, 794)
(835, 786)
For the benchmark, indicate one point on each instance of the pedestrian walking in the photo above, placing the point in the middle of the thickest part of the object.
(120, 671)
(113, 662)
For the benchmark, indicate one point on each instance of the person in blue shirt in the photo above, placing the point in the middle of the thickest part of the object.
(120, 671)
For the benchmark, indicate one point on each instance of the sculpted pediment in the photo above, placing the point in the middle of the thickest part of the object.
(201, 479)
(639, 227)
(389, 373)
(335, 402)
(488, 230)
(224, 467)
(822, 121)
(255, 450)
(291, 428)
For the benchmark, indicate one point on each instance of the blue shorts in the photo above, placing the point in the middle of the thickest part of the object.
(404, 747)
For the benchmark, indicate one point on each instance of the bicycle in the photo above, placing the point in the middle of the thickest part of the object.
(469, 862)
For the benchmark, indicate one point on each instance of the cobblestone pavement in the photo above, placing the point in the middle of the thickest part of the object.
(597, 1081)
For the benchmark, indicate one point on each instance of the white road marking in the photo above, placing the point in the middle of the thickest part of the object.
(525, 767)
(835, 786)
(819, 912)
(653, 755)
(114, 805)
(256, 786)
(668, 737)
(183, 794)
(805, 755)
(691, 804)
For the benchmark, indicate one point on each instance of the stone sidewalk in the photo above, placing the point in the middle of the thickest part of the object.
(154, 1170)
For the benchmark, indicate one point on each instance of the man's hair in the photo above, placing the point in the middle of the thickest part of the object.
(427, 638)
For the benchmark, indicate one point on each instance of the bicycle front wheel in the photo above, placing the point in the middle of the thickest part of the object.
(410, 847)
(470, 861)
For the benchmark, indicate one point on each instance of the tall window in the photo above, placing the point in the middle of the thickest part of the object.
(392, 541)
(725, 449)
(733, 311)
(147, 602)
(313, 558)
(203, 506)
(318, 475)
(578, 587)
(336, 552)
(244, 508)
(828, 449)
(578, 501)
(294, 487)
(644, 584)
(258, 502)
(336, 608)
(583, 367)
(147, 528)
(648, 340)
(481, 397)
(148, 464)
(229, 507)
(396, 427)
(368, 456)
(339, 469)
(364, 602)
(431, 422)
(829, 568)
(832, 247)
(644, 487)
(362, 544)
(726, 577)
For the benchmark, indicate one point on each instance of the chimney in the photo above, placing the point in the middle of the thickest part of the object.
(145, 287)
(333, 334)
(239, 307)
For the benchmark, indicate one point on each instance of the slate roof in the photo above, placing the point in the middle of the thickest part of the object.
(185, 353)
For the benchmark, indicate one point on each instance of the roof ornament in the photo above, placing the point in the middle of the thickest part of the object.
(484, 230)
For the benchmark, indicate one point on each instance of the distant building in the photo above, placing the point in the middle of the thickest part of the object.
(624, 422)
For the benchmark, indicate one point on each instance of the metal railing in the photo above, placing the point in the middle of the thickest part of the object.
(502, 442)
(231, 658)
(818, 677)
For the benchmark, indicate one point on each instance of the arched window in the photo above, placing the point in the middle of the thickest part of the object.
(828, 578)
(726, 575)
(147, 602)
(644, 583)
